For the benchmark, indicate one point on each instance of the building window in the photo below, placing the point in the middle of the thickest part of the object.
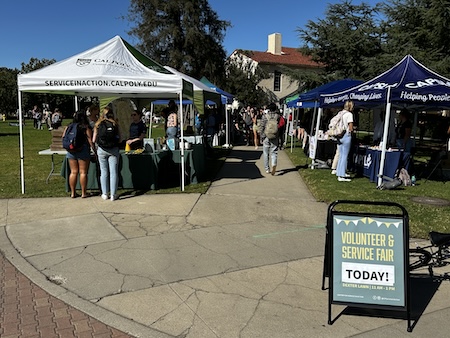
(277, 81)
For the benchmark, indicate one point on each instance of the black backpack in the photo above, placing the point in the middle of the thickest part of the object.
(107, 136)
(74, 138)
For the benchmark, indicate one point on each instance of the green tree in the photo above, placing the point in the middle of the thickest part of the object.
(8, 90)
(243, 78)
(64, 102)
(35, 64)
(184, 34)
(419, 28)
(345, 41)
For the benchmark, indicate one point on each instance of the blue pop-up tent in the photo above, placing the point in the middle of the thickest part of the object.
(226, 98)
(311, 99)
(408, 84)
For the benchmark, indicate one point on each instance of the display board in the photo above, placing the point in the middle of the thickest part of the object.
(367, 257)
(368, 260)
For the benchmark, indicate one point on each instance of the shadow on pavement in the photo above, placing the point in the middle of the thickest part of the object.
(242, 165)
(422, 290)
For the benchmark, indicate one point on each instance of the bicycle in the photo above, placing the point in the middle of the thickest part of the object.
(435, 255)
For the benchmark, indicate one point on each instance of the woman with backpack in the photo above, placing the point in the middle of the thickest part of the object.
(78, 155)
(107, 137)
(345, 142)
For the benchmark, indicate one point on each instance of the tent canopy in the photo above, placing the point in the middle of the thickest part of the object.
(307, 99)
(110, 70)
(411, 84)
(113, 67)
(202, 93)
(226, 97)
(407, 84)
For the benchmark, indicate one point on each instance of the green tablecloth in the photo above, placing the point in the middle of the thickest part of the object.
(150, 170)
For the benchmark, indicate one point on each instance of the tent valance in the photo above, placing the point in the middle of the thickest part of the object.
(307, 99)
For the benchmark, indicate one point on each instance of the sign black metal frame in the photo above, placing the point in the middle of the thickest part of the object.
(367, 259)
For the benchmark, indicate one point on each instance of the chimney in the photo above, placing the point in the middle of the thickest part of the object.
(274, 45)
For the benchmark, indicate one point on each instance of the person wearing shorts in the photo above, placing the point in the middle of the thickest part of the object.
(79, 160)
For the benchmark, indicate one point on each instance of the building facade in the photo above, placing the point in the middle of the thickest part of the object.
(274, 62)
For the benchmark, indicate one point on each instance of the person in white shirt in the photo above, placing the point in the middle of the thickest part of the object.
(345, 143)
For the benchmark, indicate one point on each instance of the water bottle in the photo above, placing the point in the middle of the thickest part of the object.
(413, 180)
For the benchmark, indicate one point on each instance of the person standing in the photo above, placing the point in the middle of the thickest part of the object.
(211, 124)
(269, 135)
(79, 160)
(345, 142)
(137, 131)
(35, 113)
(57, 119)
(256, 117)
(107, 137)
(93, 114)
(172, 122)
(403, 131)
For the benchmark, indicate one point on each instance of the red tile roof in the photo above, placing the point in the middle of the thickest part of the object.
(289, 56)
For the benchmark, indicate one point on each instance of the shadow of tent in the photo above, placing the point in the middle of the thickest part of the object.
(240, 164)
(422, 290)
(246, 155)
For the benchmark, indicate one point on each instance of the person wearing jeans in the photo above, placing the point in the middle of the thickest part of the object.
(270, 150)
(109, 167)
(345, 142)
(270, 145)
(108, 158)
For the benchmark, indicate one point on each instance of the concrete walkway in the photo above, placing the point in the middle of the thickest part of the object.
(243, 260)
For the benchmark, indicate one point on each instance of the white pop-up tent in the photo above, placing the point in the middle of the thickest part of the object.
(111, 69)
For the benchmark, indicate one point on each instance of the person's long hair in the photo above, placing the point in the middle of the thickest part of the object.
(348, 105)
(107, 114)
(80, 117)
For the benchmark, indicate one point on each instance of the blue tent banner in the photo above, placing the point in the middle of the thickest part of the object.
(409, 83)
(307, 99)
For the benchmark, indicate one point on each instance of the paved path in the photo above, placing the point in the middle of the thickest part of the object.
(243, 260)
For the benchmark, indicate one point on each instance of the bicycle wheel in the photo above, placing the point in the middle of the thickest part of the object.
(418, 258)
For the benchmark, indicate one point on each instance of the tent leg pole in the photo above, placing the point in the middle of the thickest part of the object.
(180, 112)
(22, 173)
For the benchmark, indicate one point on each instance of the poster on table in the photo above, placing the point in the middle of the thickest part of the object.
(368, 260)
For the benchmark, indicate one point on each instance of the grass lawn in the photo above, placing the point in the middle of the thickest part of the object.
(37, 167)
(322, 184)
(422, 218)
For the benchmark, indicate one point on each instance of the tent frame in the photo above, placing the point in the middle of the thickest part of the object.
(133, 65)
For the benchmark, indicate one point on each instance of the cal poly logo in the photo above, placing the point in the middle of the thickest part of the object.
(83, 62)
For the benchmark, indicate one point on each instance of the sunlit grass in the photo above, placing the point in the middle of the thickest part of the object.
(37, 167)
(422, 218)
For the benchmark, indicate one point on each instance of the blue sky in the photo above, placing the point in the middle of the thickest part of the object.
(58, 29)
